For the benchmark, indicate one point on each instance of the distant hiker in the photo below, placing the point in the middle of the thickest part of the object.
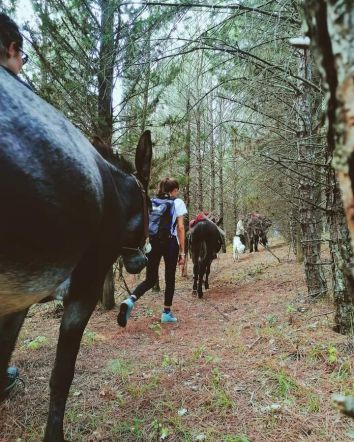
(240, 231)
(167, 238)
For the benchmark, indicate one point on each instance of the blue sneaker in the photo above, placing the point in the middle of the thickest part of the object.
(168, 317)
(125, 309)
(13, 375)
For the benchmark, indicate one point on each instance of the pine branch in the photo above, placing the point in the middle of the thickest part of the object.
(239, 7)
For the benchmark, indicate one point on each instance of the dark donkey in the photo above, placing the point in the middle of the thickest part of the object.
(65, 212)
(204, 242)
(256, 227)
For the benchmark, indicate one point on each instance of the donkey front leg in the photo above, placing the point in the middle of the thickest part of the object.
(85, 287)
(75, 317)
(10, 326)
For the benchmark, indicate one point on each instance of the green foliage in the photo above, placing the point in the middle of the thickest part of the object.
(284, 385)
(332, 354)
(37, 343)
(237, 438)
(271, 320)
(313, 404)
(140, 388)
(167, 361)
(198, 352)
(90, 337)
(343, 372)
(222, 399)
(156, 328)
(290, 308)
(120, 368)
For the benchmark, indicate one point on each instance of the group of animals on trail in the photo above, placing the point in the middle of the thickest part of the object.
(76, 225)
(250, 231)
(206, 239)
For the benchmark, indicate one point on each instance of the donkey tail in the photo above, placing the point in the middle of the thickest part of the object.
(202, 252)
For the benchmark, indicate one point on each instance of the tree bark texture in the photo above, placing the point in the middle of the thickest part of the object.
(105, 73)
(212, 155)
(308, 213)
(341, 253)
(199, 159)
(187, 165)
(330, 26)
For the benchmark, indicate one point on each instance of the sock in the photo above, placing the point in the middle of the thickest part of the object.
(167, 310)
(133, 298)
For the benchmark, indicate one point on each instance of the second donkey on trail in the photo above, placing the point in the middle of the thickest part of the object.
(204, 242)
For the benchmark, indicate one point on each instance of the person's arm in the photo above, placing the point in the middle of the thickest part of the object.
(181, 239)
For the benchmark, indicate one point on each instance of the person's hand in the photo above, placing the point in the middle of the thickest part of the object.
(181, 259)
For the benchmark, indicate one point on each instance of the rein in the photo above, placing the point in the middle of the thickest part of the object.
(145, 218)
(145, 207)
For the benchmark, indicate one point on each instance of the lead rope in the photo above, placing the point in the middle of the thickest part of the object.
(119, 264)
(121, 276)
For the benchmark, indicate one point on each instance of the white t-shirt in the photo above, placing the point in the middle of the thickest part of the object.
(180, 209)
(240, 230)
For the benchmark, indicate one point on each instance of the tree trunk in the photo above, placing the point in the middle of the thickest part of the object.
(105, 110)
(105, 73)
(308, 212)
(212, 158)
(342, 255)
(332, 40)
(221, 184)
(187, 176)
(199, 158)
(187, 164)
(146, 89)
(221, 151)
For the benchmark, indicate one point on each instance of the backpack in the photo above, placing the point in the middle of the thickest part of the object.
(160, 219)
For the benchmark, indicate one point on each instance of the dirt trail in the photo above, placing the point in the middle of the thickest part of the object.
(252, 361)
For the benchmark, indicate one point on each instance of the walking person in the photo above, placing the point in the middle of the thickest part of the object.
(167, 238)
(240, 230)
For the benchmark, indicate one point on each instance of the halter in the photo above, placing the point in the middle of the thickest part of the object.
(145, 219)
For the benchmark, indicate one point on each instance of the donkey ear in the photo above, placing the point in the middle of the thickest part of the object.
(143, 157)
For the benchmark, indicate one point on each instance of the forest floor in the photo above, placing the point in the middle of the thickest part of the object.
(253, 361)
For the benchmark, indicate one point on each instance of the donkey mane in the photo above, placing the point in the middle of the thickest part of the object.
(112, 157)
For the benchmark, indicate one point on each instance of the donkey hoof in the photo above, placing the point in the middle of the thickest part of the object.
(194, 292)
(200, 295)
(206, 286)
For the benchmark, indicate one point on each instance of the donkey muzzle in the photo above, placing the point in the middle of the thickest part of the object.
(134, 262)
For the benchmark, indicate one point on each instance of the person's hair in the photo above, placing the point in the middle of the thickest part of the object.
(166, 186)
(9, 32)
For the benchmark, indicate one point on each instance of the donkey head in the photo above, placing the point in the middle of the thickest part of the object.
(136, 231)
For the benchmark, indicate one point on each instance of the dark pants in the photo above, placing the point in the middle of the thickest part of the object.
(169, 252)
